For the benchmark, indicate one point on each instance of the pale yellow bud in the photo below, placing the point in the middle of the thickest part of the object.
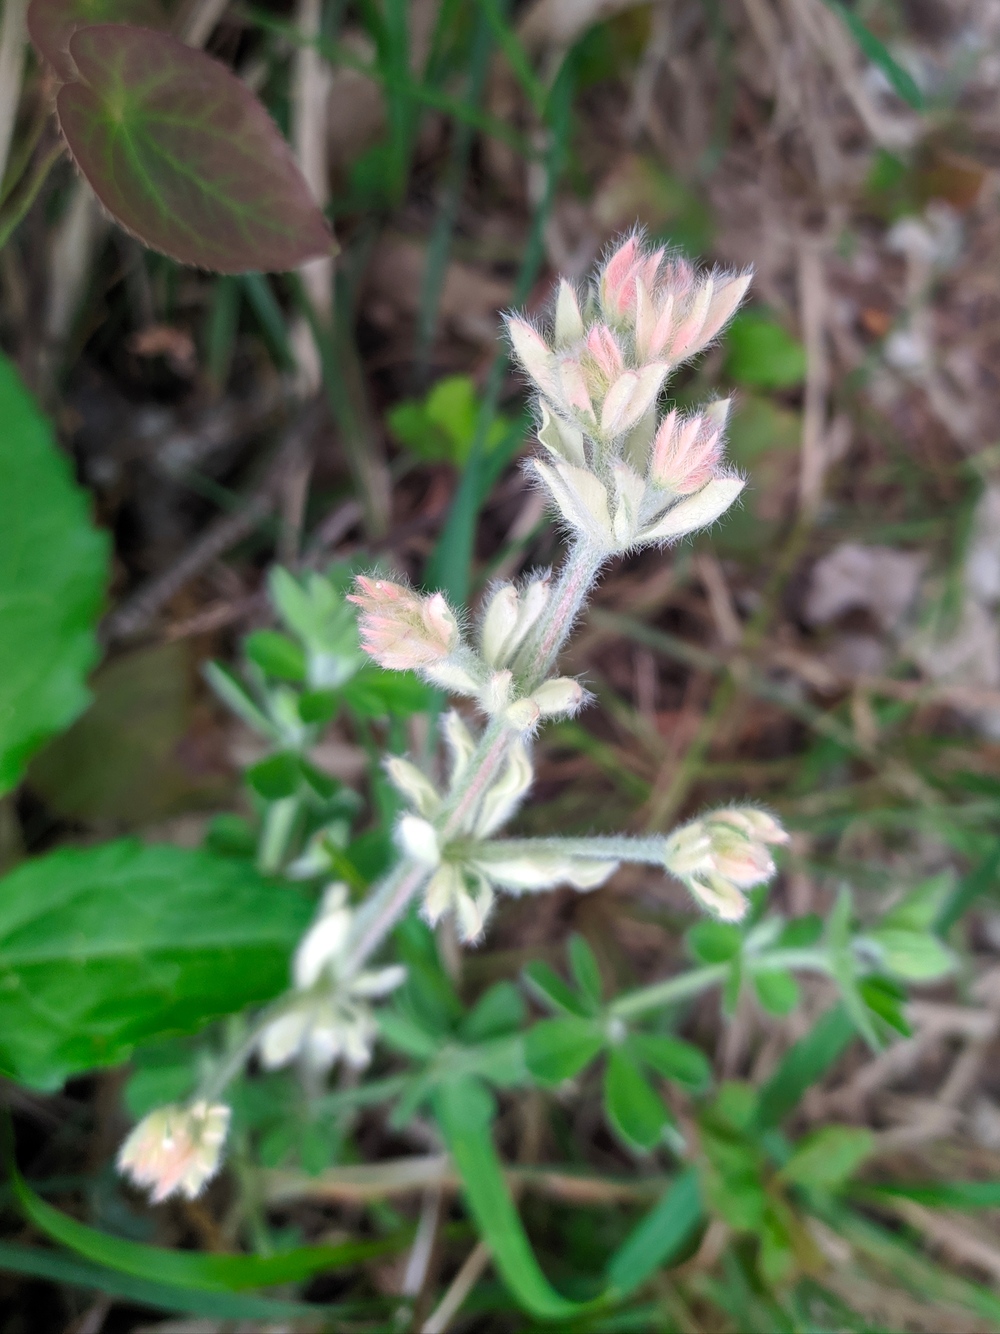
(561, 695)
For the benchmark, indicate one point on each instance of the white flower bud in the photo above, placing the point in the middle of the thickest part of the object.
(522, 715)
(531, 351)
(418, 840)
(569, 321)
(503, 797)
(561, 695)
(561, 438)
(496, 693)
(410, 783)
(697, 511)
(545, 870)
(461, 744)
(499, 624)
(323, 942)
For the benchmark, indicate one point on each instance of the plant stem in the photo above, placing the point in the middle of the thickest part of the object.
(29, 194)
(382, 910)
(670, 992)
(278, 824)
(538, 656)
(13, 36)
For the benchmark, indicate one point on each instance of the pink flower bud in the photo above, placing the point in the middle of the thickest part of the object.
(176, 1150)
(605, 352)
(401, 629)
(686, 452)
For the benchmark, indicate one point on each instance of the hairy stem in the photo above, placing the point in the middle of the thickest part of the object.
(382, 910)
(538, 656)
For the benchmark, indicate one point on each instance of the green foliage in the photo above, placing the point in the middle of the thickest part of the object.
(558, 1049)
(901, 79)
(53, 569)
(828, 1156)
(761, 354)
(633, 1108)
(441, 427)
(182, 154)
(106, 947)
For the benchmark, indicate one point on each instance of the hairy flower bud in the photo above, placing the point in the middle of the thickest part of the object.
(722, 854)
(687, 450)
(176, 1149)
(559, 696)
(403, 630)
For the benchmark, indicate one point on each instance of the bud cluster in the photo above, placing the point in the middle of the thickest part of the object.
(722, 854)
(619, 477)
(176, 1149)
(327, 1017)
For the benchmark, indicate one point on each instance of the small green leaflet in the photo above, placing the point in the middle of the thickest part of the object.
(182, 154)
(901, 79)
(106, 947)
(53, 572)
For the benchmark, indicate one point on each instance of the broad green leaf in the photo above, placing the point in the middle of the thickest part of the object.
(761, 354)
(586, 973)
(777, 990)
(672, 1058)
(51, 23)
(465, 1113)
(374, 693)
(182, 154)
(885, 998)
(940, 1195)
(53, 570)
(916, 956)
(659, 1237)
(558, 1049)
(276, 654)
(635, 1111)
(801, 932)
(713, 942)
(828, 1156)
(104, 948)
(190, 1269)
(275, 777)
(802, 1065)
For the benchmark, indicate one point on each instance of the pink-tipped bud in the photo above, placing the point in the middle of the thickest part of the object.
(400, 629)
(176, 1150)
(531, 350)
(687, 450)
(573, 394)
(723, 854)
(617, 282)
(605, 353)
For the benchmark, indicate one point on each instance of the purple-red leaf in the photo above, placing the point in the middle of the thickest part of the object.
(51, 23)
(182, 155)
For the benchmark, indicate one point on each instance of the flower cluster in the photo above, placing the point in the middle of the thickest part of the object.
(722, 854)
(403, 630)
(619, 477)
(465, 870)
(328, 1016)
(176, 1149)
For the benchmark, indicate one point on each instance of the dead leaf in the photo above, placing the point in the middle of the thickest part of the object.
(879, 580)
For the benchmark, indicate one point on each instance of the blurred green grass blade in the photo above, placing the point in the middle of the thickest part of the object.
(264, 304)
(464, 1111)
(914, 1269)
(450, 565)
(515, 53)
(802, 1065)
(938, 1194)
(659, 1237)
(971, 887)
(439, 246)
(60, 1268)
(877, 52)
(189, 1269)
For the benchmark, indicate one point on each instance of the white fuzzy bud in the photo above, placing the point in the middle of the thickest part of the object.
(418, 840)
(561, 695)
(410, 783)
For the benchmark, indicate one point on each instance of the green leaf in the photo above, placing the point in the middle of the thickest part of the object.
(802, 1065)
(777, 990)
(761, 354)
(189, 1269)
(586, 973)
(673, 1058)
(713, 942)
(104, 948)
(276, 654)
(51, 23)
(801, 933)
(828, 1156)
(498, 1011)
(181, 154)
(161, 1296)
(916, 956)
(53, 570)
(901, 79)
(275, 777)
(549, 988)
(373, 693)
(558, 1049)
(635, 1111)
(659, 1237)
(885, 998)
(465, 1112)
